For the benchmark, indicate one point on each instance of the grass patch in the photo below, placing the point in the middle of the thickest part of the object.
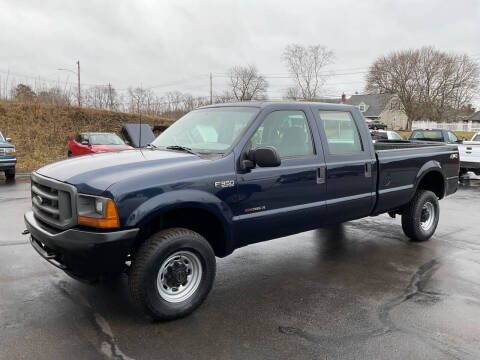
(41, 132)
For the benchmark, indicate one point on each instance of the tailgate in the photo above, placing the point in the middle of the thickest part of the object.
(469, 151)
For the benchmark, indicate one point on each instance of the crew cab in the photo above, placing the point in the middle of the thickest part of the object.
(8, 158)
(223, 177)
(92, 143)
(470, 155)
(434, 136)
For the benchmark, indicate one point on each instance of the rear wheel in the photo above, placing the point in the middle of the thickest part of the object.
(10, 174)
(420, 218)
(172, 273)
(69, 153)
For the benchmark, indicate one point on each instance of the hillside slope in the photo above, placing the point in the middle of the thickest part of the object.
(41, 132)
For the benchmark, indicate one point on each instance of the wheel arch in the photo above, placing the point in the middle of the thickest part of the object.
(195, 210)
(431, 177)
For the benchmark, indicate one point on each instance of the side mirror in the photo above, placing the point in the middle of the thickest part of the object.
(265, 156)
(8, 140)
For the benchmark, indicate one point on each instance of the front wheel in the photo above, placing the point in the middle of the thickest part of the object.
(172, 273)
(420, 218)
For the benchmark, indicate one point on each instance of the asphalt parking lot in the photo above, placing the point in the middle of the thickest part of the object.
(355, 291)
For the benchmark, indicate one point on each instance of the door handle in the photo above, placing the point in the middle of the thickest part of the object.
(368, 169)
(321, 175)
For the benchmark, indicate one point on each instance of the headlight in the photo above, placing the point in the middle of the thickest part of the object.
(96, 211)
(9, 151)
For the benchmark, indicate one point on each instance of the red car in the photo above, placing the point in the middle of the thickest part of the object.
(91, 143)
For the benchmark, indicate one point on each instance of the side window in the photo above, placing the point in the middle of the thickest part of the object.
(287, 131)
(78, 138)
(452, 137)
(395, 136)
(341, 132)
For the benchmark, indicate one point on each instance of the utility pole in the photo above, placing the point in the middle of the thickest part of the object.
(110, 98)
(79, 90)
(211, 90)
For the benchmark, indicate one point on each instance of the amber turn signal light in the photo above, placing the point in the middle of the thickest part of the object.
(110, 221)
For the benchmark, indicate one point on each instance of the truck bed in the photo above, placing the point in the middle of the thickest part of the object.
(399, 170)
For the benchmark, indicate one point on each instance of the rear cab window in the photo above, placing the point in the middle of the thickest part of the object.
(427, 135)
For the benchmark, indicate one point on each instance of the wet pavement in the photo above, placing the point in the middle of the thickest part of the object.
(356, 291)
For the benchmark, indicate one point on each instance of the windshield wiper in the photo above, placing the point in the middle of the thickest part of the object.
(181, 148)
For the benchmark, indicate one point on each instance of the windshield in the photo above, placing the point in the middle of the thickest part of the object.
(212, 129)
(476, 138)
(427, 135)
(379, 135)
(1, 137)
(105, 139)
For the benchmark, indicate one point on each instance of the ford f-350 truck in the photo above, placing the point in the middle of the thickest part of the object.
(223, 177)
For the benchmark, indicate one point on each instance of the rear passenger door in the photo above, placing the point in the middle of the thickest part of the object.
(349, 166)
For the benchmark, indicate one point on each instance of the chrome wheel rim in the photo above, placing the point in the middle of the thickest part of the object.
(427, 216)
(179, 276)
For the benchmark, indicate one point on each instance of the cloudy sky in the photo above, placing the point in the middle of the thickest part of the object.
(174, 45)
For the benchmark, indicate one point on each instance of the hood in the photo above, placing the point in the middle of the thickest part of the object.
(110, 147)
(6, 144)
(96, 172)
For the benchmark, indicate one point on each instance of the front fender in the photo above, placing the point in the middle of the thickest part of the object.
(164, 202)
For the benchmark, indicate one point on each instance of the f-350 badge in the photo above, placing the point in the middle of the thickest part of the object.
(224, 184)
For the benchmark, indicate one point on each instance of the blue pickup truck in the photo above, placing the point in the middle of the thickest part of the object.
(434, 136)
(8, 158)
(223, 177)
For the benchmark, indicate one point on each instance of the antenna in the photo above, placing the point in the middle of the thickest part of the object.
(140, 113)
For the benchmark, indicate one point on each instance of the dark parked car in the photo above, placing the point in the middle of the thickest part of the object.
(223, 177)
(8, 157)
(376, 125)
(92, 143)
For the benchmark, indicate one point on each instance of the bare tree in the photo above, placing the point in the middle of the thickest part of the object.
(429, 83)
(54, 95)
(246, 83)
(97, 97)
(305, 64)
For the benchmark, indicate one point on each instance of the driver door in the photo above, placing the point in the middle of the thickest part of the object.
(289, 198)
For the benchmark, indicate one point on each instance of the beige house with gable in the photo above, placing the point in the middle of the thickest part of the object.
(384, 107)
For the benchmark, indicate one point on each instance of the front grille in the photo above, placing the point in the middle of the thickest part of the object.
(53, 202)
(2, 151)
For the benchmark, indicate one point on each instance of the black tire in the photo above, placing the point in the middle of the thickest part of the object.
(415, 215)
(69, 154)
(152, 256)
(462, 172)
(10, 174)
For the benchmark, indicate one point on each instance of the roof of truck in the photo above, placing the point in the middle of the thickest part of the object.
(263, 104)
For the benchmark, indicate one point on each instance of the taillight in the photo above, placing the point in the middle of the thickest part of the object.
(458, 164)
